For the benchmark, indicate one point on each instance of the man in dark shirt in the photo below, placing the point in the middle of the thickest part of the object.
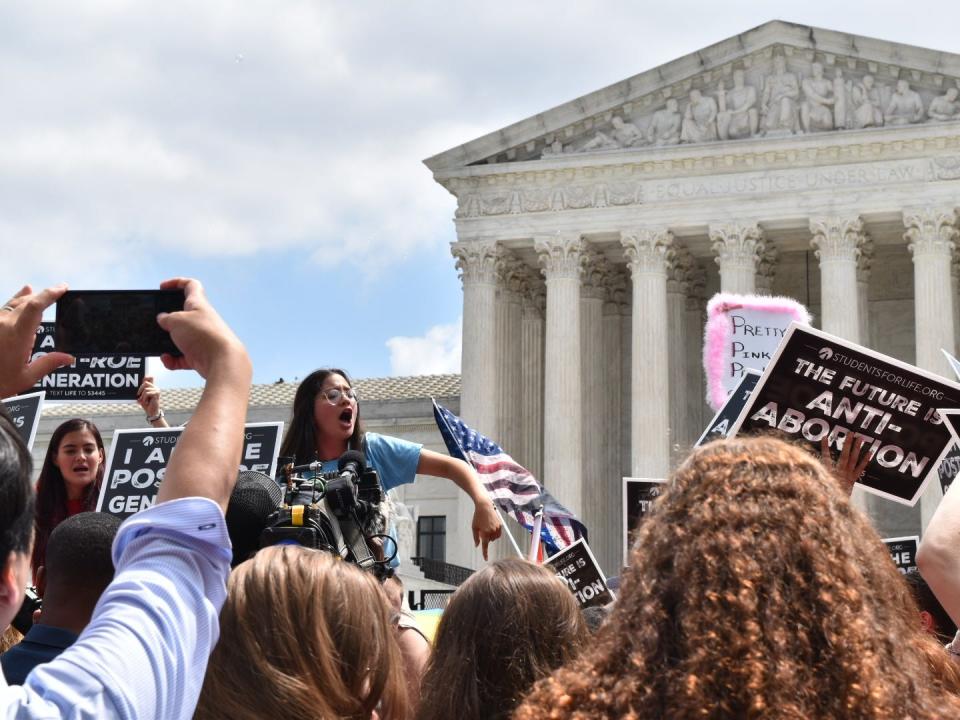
(79, 568)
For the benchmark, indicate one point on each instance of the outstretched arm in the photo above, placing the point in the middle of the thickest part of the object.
(486, 523)
(937, 557)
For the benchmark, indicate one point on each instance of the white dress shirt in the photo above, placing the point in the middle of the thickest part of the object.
(145, 651)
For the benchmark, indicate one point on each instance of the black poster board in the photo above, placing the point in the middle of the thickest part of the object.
(138, 460)
(24, 411)
(577, 566)
(638, 495)
(903, 552)
(949, 468)
(818, 385)
(90, 378)
(723, 421)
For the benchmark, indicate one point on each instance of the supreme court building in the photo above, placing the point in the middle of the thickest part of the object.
(788, 160)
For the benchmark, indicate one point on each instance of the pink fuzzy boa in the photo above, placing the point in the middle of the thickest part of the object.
(719, 328)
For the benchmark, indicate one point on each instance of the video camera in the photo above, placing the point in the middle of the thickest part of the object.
(340, 512)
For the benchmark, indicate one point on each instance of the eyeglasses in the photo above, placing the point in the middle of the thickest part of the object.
(333, 395)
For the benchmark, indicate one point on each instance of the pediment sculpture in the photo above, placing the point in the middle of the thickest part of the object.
(777, 100)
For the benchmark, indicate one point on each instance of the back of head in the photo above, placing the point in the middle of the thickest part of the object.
(303, 634)
(16, 493)
(755, 588)
(79, 565)
(941, 626)
(507, 626)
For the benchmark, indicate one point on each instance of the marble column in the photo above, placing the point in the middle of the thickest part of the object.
(626, 379)
(615, 310)
(533, 305)
(767, 269)
(931, 234)
(477, 262)
(836, 242)
(864, 263)
(678, 360)
(696, 318)
(596, 484)
(560, 256)
(649, 256)
(738, 247)
(508, 319)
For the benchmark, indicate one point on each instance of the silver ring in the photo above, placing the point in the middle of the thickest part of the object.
(8, 308)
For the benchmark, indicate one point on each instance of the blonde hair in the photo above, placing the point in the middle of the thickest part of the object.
(305, 635)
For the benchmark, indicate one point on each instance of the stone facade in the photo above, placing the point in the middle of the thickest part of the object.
(787, 160)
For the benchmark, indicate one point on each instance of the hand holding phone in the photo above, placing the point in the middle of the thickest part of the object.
(116, 322)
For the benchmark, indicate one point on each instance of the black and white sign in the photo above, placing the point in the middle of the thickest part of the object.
(903, 552)
(138, 460)
(726, 416)
(90, 378)
(579, 568)
(949, 467)
(25, 411)
(638, 496)
(818, 385)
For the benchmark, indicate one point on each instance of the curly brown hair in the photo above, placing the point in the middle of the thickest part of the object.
(756, 590)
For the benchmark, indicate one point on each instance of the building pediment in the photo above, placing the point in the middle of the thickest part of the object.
(777, 80)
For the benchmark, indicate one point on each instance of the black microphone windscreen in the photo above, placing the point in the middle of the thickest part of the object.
(352, 456)
(255, 497)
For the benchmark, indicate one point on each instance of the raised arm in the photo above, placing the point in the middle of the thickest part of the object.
(937, 557)
(207, 457)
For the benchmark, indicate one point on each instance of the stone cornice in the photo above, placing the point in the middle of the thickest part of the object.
(931, 156)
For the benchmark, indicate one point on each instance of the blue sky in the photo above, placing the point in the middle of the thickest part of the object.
(273, 149)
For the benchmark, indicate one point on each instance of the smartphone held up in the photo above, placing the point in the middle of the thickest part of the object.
(115, 322)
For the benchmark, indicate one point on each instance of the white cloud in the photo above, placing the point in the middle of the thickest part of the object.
(435, 352)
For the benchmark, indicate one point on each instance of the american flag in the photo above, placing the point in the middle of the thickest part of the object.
(511, 486)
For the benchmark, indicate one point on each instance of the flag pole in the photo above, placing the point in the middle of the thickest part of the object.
(503, 524)
(535, 535)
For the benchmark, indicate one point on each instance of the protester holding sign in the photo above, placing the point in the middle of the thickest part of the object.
(326, 423)
(69, 481)
(507, 626)
(756, 590)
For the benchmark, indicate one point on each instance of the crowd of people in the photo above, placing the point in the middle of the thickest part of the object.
(754, 588)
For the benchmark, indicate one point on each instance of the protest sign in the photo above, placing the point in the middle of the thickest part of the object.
(742, 333)
(949, 468)
(138, 460)
(903, 552)
(25, 410)
(638, 496)
(90, 378)
(726, 416)
(818, 385)
(576, 564)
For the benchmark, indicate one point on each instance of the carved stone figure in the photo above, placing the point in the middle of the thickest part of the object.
(866, 104)
(905, 106)
(778, 106)
(946, 106)
(738, 116)
(556, 148)
(624, 135)
(665, 125)
(840, 97)
(816, 110)
(700, 119)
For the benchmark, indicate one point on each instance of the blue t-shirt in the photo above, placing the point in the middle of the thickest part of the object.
(395, 460)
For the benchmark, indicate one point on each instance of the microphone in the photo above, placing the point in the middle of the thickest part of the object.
(255, 497)
(352, 463)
